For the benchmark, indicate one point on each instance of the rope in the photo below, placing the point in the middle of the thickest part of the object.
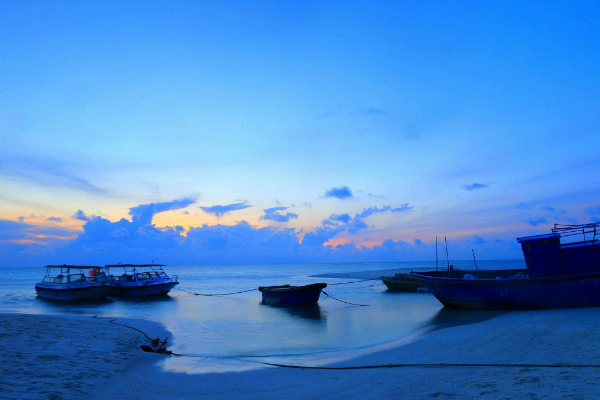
(345, 283)
(215, 294)
(439, 365)
(342, 301)
(112, 321)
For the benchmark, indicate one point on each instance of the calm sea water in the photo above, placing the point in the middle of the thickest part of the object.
(240, 325)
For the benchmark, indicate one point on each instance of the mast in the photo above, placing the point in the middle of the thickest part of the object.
(447, 259)
(475, 261)
(436, 254)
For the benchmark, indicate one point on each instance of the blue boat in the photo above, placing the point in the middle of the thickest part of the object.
(557, 276)
(292, 295)
(70, 282)
(140, 280)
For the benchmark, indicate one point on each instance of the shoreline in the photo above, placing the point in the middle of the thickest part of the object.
(545, 337)
(101, 360)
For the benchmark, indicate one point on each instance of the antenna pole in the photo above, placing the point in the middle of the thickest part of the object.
(447, 259)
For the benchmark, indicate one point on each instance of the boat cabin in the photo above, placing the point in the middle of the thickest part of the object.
(63, 274)
(139, 272)
(546, 256)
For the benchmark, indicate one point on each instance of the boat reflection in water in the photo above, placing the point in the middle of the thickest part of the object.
(311, 312)
(557, 276)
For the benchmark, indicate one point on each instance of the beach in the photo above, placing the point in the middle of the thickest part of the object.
(69, 357)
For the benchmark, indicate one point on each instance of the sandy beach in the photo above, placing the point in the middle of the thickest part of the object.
(71, 357)
(65, 357)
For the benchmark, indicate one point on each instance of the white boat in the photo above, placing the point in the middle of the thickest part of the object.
(70, 282)
(140, 280)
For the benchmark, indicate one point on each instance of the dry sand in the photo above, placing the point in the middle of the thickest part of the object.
(56, 357)
(67, 368)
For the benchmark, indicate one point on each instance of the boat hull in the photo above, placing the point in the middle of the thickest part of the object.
(571, 291)
(160, 289)
(292, 295)
(73, 294)
(395, 284)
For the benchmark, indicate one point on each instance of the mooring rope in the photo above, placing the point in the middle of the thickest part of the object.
(214, 294)
(112, 321)
(342, 301)
(345, 283)
(437, 365)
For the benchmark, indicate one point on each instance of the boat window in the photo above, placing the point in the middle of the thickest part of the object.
(142, 276)
(76, 277)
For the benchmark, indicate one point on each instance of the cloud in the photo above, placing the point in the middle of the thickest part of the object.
(55, 219)
(523, 206)
(477, 240)
(357, 223)
(548, 209)
(372, 210)
(345, 218)
(138, 240)
(474, 186)
(339, 193)
(273, 214)
(307, 204)
(375, 111)
(218, 210)
(80, 215)
(593, 210)
(145, 212)
(47, 172)
(536, 222)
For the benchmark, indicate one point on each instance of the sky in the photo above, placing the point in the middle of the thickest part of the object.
(293, 131)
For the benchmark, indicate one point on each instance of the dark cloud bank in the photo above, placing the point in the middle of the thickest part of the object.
(138, 240)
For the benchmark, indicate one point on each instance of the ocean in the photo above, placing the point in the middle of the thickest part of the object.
(240, 326)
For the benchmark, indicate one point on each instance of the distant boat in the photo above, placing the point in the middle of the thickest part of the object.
(292, 295)
(69, 282)
(557, 276)
(140, 280)
(402, 283)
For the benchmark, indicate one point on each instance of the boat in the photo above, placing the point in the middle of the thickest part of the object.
(292, 295)
(558, 275)
(402, 283)
(140, 280)
(69, 282)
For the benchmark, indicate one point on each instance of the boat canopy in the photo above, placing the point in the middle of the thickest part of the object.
(133, 265)
(65, 266)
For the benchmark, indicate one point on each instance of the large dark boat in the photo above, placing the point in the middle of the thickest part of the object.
(558, 275)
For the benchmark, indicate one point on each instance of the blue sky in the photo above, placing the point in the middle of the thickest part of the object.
(271, 131)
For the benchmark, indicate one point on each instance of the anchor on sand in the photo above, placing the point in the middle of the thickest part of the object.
(157, 347)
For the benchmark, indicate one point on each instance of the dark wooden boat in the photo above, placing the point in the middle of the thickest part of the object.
(292, 295)
(557, 276)
(402, 283)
